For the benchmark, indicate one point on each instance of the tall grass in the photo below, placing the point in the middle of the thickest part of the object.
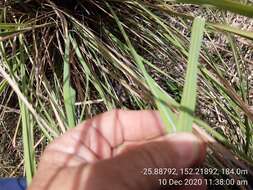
(66, 64)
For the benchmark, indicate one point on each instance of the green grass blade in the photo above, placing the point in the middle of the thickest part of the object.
(68, 91)
(166, 113)
(91, 76)
(188, 101)
(27, 136)
(27, 122)
(237, 31)
(3, 85)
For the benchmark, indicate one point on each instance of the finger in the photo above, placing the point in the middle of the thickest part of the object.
(95, 138)
(132, 145)
(106, 131)
(118, 126)
(125, 171)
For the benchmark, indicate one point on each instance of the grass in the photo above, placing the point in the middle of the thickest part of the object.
(185, 119)
(68, 91)
(64, 64)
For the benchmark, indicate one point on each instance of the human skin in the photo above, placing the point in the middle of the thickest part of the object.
(110, 152)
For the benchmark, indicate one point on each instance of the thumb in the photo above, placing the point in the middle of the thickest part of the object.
(138, 168)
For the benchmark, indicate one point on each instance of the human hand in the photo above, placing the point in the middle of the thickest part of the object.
(110, 152)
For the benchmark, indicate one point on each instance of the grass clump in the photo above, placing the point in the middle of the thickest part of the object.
(64, 63)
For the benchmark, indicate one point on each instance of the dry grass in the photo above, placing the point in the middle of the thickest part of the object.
(115, 81)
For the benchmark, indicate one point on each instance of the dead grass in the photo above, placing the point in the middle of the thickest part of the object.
(166, 57)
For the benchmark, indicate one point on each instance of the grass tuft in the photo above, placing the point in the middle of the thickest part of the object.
(61, 64)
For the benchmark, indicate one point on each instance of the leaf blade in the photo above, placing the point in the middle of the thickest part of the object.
(68, 91)
(185, 119)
